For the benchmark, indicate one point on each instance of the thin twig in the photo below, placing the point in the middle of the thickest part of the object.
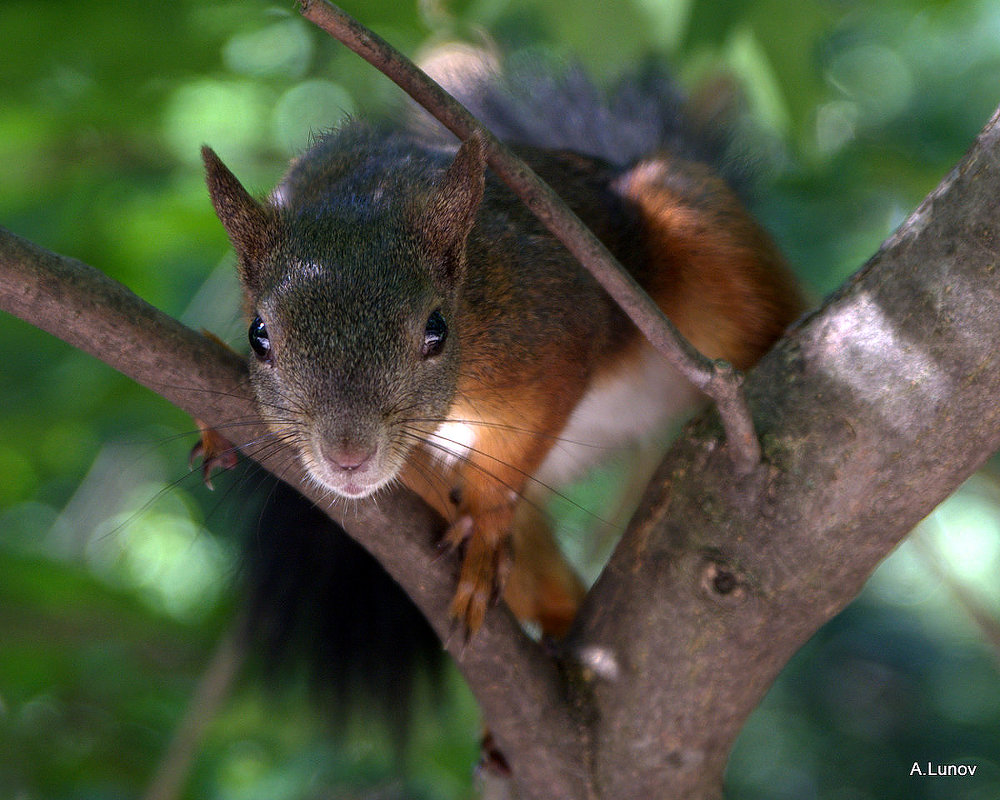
(213, 688)
(720, 382)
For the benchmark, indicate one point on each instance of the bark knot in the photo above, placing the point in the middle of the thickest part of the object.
(723, 583)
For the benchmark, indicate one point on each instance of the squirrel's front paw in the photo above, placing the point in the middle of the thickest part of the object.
(214, 449)
(486, 563)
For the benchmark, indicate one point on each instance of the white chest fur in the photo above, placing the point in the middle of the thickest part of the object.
(452, 441)
(625, 406)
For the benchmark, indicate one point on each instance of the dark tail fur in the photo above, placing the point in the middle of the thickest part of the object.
(529, 99)
(316, 596)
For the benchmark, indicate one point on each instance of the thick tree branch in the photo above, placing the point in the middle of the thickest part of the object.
(720, 382)
(872, 412)
(85, 308)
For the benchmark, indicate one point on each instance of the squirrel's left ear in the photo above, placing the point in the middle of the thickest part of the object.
(450, 212)
(251, 226)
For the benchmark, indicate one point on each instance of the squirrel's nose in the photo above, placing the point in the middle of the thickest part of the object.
(348, 458)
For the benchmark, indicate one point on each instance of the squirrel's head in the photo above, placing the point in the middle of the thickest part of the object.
(355, 317)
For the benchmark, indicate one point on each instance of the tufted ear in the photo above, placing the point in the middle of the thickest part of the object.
(448, 217)
(252, 227)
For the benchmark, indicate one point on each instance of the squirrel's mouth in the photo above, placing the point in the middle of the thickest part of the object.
(354, 489)
(345, 484)
(348, 471)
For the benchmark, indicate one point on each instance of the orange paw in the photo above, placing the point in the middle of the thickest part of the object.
(215, 450)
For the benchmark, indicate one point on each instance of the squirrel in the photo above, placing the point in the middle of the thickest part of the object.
(411, 322)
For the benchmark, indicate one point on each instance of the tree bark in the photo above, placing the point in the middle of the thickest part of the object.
(871, 411)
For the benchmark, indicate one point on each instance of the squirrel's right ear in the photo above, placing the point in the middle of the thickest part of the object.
(251, 226)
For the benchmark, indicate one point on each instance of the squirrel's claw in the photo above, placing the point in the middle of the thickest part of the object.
(491, 760)
(215, 450)
(455, 536)
(458, 533)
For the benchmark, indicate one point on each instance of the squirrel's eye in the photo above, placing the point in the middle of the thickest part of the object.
(260, 343)
(434, 335)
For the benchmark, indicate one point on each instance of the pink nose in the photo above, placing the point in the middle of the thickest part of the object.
(349, 459)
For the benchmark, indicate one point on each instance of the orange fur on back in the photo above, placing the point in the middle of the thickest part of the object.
(713, 269)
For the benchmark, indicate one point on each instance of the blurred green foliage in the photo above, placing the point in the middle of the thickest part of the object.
(116, 573)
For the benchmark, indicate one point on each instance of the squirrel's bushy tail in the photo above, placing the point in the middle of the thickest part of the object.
(530, 99)
(317, 597)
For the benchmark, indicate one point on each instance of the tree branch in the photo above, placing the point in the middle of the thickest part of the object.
(717, 380)
(873, 411)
